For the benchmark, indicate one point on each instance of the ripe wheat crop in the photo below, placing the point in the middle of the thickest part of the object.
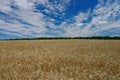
(60, 60)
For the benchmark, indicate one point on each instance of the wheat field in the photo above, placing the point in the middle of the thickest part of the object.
(60, 60)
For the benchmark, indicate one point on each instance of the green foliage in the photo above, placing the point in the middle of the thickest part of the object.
(51, 38)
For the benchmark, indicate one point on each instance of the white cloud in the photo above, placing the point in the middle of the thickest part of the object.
(103, 18)
(55, 7)
(5, 6)
(26, 22)
(24, 4)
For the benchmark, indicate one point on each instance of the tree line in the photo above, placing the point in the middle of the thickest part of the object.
(46, 38)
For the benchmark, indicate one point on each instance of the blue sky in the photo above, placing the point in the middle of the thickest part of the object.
(59, 18)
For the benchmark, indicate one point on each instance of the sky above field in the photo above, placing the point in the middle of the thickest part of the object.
(59, 18)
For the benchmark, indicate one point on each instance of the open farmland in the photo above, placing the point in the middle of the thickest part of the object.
(60, 60)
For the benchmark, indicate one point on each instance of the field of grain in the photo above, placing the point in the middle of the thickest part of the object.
(60, 60)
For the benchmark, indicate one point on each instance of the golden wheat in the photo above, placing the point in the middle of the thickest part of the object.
(60, 60)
